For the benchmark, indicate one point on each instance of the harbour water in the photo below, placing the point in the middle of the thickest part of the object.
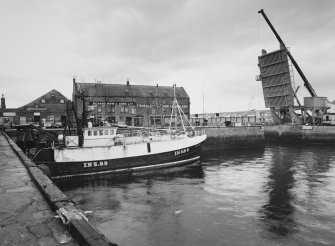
(276, 195)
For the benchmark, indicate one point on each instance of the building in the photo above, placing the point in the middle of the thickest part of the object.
(237, 118)
(49, 108)
(133, 105)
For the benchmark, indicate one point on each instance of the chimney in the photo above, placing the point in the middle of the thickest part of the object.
(128, 82)
(3, 102)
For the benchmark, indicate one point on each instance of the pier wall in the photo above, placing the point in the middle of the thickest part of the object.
(76, 223)
(299, 134)
(231, 137)
(236, 137)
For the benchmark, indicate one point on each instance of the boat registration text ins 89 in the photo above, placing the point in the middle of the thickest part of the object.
(181, 151)
(95, 164)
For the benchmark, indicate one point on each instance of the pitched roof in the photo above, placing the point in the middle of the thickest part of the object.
(46, 95)
(121, 90)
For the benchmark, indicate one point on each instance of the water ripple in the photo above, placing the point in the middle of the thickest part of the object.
(277, 195)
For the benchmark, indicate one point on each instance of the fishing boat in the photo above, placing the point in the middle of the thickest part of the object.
(108, 149)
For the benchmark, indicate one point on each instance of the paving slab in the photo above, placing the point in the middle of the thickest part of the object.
(25, 216)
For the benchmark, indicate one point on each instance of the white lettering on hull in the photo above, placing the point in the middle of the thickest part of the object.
(95, 164)
(181, 151)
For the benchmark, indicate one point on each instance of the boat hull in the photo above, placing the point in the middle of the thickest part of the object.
(121, 159)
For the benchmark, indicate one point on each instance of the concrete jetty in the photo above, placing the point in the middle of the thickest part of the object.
(25, 216)
(239, 137)
(33, 211)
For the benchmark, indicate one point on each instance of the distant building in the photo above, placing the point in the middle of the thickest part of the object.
(133, 105)
(51, 108)
(3, 102)
(236, 118)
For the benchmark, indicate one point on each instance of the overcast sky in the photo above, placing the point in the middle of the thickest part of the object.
(208, 47)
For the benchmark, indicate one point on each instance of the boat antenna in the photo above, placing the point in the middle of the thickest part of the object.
(203, 105)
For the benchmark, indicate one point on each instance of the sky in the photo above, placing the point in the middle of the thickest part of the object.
(210, 48)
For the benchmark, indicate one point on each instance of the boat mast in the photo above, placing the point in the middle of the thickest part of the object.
(176, 107)
(178, 110)
(174, 96)
(84, 119)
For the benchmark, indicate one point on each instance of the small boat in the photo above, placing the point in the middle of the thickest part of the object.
(108, 149)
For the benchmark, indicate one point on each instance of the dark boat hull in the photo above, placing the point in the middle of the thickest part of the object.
(122, 165)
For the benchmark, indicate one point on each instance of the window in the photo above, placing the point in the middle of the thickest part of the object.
(95, 133)
(43, 101)
(122, 108)
(101, 132)
(89, 133)
(153, 111)
(61, 100)
(133, 110)
(112, 132)
(106, 132)
(126, 109)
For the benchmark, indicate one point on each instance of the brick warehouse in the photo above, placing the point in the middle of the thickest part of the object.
(50, 107)
(134, 105)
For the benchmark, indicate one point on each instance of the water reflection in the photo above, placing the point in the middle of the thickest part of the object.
(276, 195)
(277, 213)
(217, 156)
(195, 171)
(296, 175)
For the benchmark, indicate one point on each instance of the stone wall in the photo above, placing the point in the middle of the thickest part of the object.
(300, 134)
(231, 137)
(249, 137)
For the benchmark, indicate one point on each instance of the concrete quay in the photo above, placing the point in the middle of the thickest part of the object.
(25, 216)
(233, 137)
(33, 211)
(250, 137)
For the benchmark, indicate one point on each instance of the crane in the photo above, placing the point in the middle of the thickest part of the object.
(295, 64)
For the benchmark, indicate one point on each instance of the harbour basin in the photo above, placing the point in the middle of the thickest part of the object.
(272, 195)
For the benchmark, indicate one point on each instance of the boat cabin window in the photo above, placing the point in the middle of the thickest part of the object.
(100, 132)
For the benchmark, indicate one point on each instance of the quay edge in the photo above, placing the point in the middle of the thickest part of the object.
(303, 134)
(251, 137)
(75, 221)
(233, 137)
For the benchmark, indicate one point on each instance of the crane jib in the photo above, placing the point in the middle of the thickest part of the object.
(295, 64)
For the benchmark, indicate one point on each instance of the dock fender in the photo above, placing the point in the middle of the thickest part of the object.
(45, 169)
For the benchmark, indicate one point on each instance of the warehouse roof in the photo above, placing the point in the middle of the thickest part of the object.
(127, 90)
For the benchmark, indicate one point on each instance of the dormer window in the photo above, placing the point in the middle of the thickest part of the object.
(43, 101)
